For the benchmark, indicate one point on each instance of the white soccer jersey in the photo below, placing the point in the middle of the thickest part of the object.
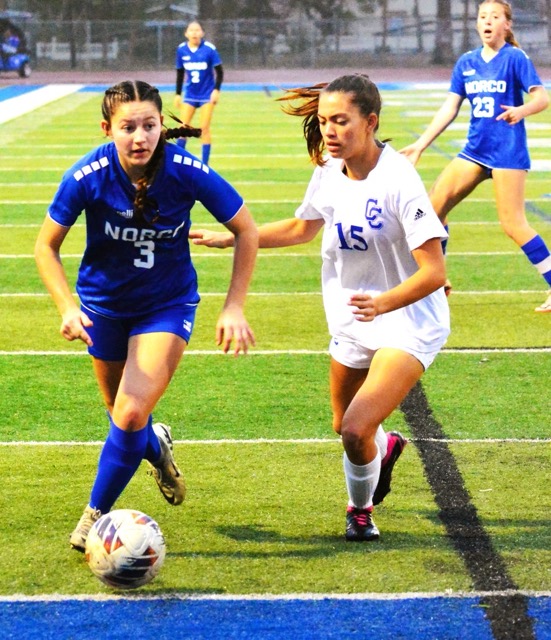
(371, 228)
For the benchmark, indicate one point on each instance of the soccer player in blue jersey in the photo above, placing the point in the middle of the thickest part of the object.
(493, 78)
(136, 282)
(199, 63)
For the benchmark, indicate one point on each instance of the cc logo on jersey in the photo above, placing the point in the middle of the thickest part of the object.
(372, 212)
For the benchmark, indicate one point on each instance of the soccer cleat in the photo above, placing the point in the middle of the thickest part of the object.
(165, 471)
(360, 526)
(546, 306)
(86, 522)
(396, 444)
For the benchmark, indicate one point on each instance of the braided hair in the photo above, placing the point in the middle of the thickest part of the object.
(363, 93)
(139, 91)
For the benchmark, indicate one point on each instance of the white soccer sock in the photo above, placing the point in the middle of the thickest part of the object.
(361, 481)
(381, 441)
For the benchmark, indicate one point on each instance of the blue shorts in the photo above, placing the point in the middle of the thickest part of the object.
(196, 104)
(487, 170)
(110, 335)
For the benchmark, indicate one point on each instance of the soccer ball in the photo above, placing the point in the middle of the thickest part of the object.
(125, 549)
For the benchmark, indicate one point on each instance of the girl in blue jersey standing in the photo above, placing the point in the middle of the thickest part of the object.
(198, 62)
(493, 79)
(136, 282)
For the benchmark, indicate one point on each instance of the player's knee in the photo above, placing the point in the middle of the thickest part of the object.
(130, 413)
(356, 435)
(353, 436)
(514, 230)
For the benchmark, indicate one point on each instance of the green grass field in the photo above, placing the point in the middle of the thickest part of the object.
(266, 495)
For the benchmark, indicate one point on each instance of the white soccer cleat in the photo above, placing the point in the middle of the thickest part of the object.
(546, 306)
(87, 520)
(165, 471)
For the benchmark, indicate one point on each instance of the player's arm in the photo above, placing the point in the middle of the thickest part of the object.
(442, 119)
(48, 260)
(283, 233)
(179, 85)
(430, 276)
(232, 325)
(538, 101)
(218, 79)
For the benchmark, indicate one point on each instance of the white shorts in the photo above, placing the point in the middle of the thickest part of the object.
(354, 355)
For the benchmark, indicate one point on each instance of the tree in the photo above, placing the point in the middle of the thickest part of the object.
(443, 48)
(89, 10)
(466, 26)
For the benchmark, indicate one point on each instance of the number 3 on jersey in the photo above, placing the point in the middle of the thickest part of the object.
(146, 247)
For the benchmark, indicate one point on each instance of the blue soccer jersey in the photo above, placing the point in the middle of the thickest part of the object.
(128, 269)
(489, 85)
(199, 70)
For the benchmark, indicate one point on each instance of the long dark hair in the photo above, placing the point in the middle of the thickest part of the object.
(139, 91)
(363, 93)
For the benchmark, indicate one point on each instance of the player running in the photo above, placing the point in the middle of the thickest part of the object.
(136, 283)
(383, 275)
(493, 78)
(199, 63)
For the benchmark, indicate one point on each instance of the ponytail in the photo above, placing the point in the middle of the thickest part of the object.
(146, 212)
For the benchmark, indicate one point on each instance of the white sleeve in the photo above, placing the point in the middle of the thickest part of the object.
(307, 210)
(416, 212)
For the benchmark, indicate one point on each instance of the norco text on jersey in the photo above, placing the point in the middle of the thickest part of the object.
(132, 234)
(486, 86)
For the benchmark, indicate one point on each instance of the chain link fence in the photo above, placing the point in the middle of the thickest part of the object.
(402, 40)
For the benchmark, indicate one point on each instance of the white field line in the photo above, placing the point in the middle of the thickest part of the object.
(285, 352)
(27, 102)
(275, 294)
(296, 201)
(30, 185)
(268, 254)
(37, 225)
(272, 597)
(261, 441)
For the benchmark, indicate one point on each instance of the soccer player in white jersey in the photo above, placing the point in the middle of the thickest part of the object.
(136, 282)
(383, 277)
(199, 69)
(493, 78)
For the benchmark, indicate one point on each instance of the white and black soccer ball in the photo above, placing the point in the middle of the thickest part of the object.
(125, 549)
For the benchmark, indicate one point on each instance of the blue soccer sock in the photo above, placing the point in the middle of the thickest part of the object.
(119, 459)
(537, 252)
(445, 240)
(206, 153)
(153, 449)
